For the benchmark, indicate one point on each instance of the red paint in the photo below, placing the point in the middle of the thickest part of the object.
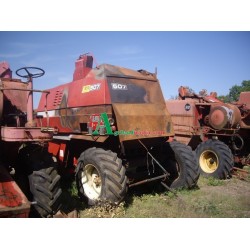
(12, 201)
(73, 95)
(54, 122)
(89, 88)
(53, 148)
(75, 162)
(58, 150)
(62, 151)
(82, 66)
(8, 195)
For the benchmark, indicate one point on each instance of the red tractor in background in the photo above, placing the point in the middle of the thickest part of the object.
(112, 130)
(217, 131)
(28, 173)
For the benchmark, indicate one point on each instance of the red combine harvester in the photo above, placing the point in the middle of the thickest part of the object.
(112, 130)
(219, 132)
(28, 173)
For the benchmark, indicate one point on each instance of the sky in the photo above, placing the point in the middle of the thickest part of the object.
(212, 60)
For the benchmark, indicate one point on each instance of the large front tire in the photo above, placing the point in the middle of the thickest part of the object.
(100, 177)
(215, 159)
(182, 166)
(43, 180)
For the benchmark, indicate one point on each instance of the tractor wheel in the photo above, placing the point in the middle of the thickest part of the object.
(215, 159)
(43, 180)
(182, 166)
(100, 177)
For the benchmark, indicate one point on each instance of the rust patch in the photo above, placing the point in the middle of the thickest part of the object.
(13, 202)
(142, 117)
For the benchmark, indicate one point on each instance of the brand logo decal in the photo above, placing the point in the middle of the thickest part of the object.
(187, 107)
(92, 87)
(99, 124)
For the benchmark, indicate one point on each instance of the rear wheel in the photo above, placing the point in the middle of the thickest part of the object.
(215, 159)
(182, 166)
(100, 177)
(43, 180)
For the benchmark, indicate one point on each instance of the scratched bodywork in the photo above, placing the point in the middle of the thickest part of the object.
(113, 131)
(202, 116)
(243, 104)
(23, 149)
(133, 98)
(13, 203)
(13, 110)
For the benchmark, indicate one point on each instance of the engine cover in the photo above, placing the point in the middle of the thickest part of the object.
(224, 116)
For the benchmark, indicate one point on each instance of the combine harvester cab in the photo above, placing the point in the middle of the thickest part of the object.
(112, 130)
(28, 173)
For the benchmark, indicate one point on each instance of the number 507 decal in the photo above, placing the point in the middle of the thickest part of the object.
(119, 86)
(89, 88)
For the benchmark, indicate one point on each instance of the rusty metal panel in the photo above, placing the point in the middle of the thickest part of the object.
(14, 99)
(135, 90)
(68, 120)
(245, 99)
(244, 103)
(184, 115)
(1, 102)
(224, 115)
(5, 71)
(72, 118)
(116, 71)
(24, 134)
(13, 203)
(146, 120)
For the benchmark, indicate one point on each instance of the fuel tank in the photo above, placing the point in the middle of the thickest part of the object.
(224, 116)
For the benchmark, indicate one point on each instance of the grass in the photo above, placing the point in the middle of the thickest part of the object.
(214, 182)
(211, 199)
(70, 200)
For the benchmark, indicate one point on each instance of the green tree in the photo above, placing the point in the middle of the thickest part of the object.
(235, 91)
(224, 98)
(245, 85)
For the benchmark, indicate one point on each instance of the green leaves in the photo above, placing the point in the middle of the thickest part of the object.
(235, 91)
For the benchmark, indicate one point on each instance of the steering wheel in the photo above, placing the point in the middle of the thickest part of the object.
(37, 72)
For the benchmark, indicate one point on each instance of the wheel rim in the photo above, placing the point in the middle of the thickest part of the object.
(208, 161)
(91, 182)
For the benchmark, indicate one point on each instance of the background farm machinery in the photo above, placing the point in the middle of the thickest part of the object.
(219, 132)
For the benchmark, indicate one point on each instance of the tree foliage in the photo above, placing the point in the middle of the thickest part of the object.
(235, 91)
